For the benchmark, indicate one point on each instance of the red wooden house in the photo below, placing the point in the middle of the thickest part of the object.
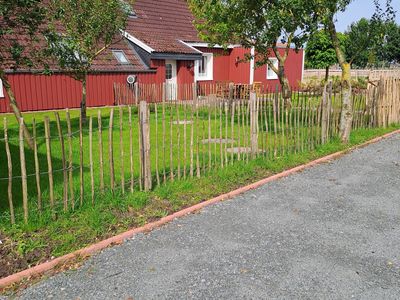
(160, 45)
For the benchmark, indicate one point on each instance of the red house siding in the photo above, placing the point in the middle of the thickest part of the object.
(293, 69)
(58, 91)
(221, 63)
(239, 68)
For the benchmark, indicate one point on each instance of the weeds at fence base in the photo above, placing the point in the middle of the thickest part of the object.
(25, 245)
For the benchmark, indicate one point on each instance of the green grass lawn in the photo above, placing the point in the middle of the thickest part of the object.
(170, 148)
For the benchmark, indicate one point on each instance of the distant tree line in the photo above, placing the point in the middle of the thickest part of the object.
(366, 44)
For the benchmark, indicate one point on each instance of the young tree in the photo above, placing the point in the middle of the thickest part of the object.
(259, 24)
(320, 53)
(327, 10)
(20, 31)
(81, 31)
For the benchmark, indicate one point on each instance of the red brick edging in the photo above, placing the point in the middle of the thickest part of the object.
(47, 266)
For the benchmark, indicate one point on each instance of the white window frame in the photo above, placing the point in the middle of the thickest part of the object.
(1, 89)
(209, 75)
(273, 75)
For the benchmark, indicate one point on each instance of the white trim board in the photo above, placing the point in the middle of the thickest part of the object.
(137, 42)
(206, 45)
(190, 46)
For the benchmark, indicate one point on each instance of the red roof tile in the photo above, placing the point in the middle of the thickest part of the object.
(107, 61)
(160, 24)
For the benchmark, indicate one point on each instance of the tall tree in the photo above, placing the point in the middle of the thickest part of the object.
(327, 10)
(390, 50)
(320, 53)
(21, 24)
(360, 49)
(365, 39)
(259, 24)
(81, 31)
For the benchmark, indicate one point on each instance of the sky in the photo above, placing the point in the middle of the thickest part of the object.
(362, 8)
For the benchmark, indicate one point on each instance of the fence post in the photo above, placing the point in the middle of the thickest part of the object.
(253, 124)
(10, 179)
(64, 164)
(145, 149)
(23, 169)
(231, 94)
(324, 117)
(49, 164)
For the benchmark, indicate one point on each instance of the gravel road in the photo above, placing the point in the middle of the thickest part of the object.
(332, 231)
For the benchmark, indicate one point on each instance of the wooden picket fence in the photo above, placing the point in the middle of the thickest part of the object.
(160, 140)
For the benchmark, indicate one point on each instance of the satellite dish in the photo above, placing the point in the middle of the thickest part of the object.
(131, 79)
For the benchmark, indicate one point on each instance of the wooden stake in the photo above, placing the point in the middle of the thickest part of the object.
(91, 157)
(131, 148)
(226, 131)
(163, 134)
(23, 169)
(185, 139)
(157, 169)
(37, 167)
(275, 112)
(64, 163)
(232, 128)
(121, 148)
(220, 135)
(101, 159)
(178, 150)
(81, 160)
(145, 133)
(10, 179)
(49, 165)
(192, 140)
(111, 150)
(171, 162)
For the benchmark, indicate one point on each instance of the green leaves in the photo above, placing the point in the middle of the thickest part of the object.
(82, 29)
(320, 52)
(254, 23)
(20, 22)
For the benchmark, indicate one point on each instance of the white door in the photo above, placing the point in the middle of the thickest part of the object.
(171, 79)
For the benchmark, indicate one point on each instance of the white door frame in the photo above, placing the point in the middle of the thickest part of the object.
(171, 83)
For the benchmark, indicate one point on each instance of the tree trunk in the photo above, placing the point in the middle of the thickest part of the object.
(346, 118)
(15, 108)
(285, 85)
(326, 74)
(83, 102)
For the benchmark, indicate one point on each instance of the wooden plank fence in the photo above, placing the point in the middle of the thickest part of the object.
(163, 140)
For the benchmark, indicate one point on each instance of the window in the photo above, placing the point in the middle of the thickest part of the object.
(168, 71)
(204, 67)
(270, 73)
(120, 56)
(1, 89)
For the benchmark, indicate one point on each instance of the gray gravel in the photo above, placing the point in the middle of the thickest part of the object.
(331, 232)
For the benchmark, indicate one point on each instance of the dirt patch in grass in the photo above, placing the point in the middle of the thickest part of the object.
(13, 258)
